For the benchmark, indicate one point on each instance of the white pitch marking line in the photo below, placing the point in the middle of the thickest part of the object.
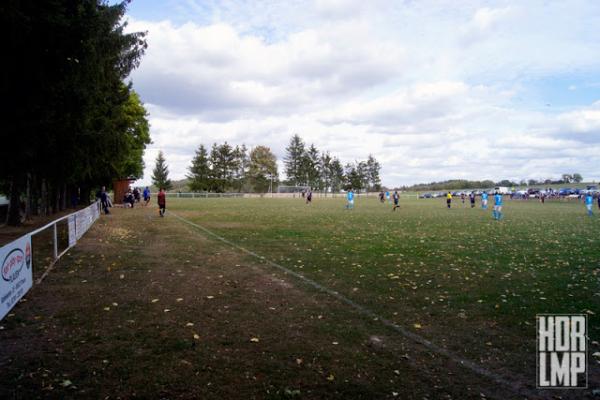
(515, 386)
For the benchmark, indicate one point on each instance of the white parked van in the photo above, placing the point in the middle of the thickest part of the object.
(502, 189)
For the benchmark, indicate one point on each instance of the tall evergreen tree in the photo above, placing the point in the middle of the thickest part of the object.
(337, 175)
(293, 161)
(224, 165)
(241, 165)
(353, 178)
(310, 166)
(199, 171)
(72, 123)
(325, 172)
(160, 174)
(372, 169)
(361, 170)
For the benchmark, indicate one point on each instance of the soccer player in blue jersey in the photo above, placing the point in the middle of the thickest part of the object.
(589, 202)
(497, 213)
(350, 199)
(484, 200)
(387, 196)
(147, 195)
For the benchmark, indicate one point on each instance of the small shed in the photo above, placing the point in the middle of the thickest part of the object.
(120, 187)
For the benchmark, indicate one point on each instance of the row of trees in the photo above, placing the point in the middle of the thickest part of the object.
(225, 168)
(228, 168)
(70, 123)
(307, 166)
(232, 168)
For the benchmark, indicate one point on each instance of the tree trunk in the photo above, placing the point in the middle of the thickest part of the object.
(55, 199)
(44, 198)
(14, 206)
(85, 194)
(35, 190)
(28, 198)
(63, 197)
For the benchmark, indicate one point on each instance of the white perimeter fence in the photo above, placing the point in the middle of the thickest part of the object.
(17, 256)
(210, 195)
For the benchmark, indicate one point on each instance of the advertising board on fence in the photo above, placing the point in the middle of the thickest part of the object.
(85, 218)
(72, 231)
(17, 276)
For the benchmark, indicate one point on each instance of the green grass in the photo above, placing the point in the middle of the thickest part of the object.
(472, 284)
(149, 307)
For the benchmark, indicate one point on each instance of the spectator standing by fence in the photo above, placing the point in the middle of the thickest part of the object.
(104, 201)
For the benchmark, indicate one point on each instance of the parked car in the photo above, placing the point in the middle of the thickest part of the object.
(565, 191)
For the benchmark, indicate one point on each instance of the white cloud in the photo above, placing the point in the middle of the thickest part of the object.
(432, 91)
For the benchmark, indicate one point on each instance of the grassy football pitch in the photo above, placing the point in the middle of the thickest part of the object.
(202, 304)
(454, 276)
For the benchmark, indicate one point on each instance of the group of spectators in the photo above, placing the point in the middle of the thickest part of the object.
(133, 196)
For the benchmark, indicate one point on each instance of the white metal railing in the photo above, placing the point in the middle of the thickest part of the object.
(17, 256)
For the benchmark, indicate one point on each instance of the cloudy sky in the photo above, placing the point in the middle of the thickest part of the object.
(433, 89)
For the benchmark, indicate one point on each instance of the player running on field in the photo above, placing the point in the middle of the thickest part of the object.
(484, 200)
(387, 196)
(147, 195)
(449, 199)
(589, 202)
(309, 196)
(497, 213)
(350, 200)
(396, 197)
(162, 202)
(472, 199)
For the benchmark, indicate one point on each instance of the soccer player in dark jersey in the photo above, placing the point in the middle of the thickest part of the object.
(162, 202)
(396, 198)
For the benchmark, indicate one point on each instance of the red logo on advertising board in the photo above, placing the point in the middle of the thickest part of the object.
(28, 255)
(12, 264)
